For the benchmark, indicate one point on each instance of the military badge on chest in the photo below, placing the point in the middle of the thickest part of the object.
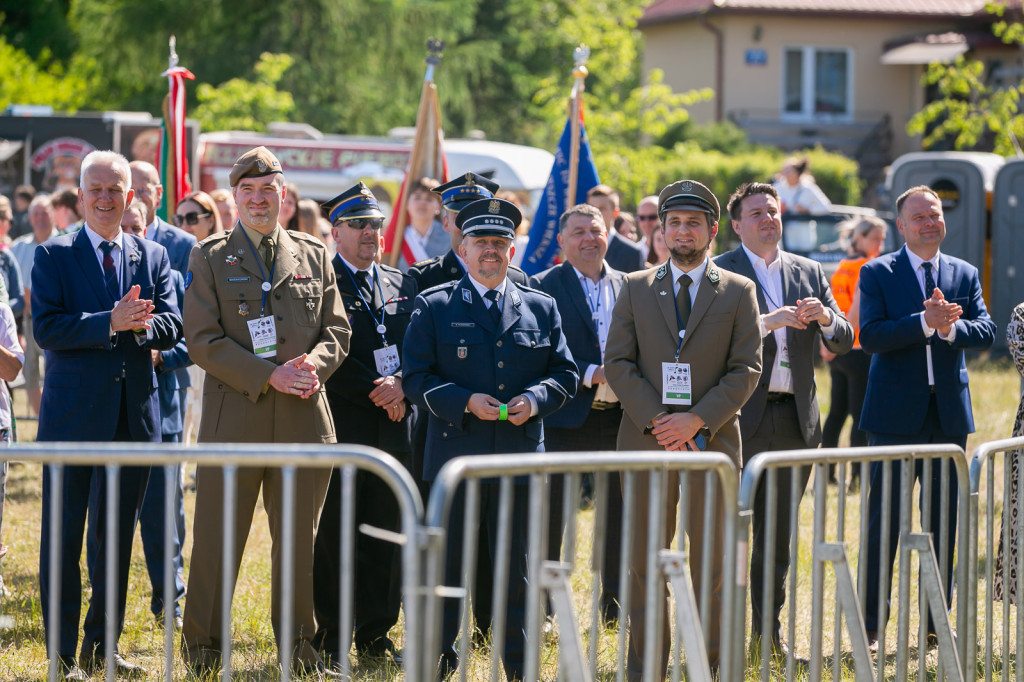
(461, 352)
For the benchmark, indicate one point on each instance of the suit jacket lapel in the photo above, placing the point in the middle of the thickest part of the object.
(615, 277)
(92, 269)
(247, 254)
(740, 264)
(285, 263)
(706, 293)
(388, 287)
(132, 260)
(510, 312)
(574, 288)
(908, 278)
(466, 292)
(945, 277)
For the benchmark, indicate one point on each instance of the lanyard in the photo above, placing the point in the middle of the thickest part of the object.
(265, 287)
(766, 289)
(595, 308)
(381, 327)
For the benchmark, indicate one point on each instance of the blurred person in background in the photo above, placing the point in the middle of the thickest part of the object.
(289, 218)
(625, 223)
(148, 190)
(623, 254)
(66, 213)
(197, 214)
(40, 213)
(424, 234)
(657, 252)
(850, 371)
(309, 218)
(226, 207)
(9, 269)
(23, 195)
(11, 359)
(798, 193)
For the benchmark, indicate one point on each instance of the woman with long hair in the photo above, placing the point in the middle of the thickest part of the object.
(197, 214)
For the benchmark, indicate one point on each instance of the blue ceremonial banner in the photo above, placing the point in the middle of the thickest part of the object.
(543, 246)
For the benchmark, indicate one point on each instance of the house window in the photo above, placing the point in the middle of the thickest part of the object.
(816, 82)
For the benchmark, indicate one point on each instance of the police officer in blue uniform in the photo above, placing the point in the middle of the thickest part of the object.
(488, 359)
(456, 195)
(369, 408)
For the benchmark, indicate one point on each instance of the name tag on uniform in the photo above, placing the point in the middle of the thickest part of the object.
(238, 279)
(264, 336)
(676, 384)
(387, 360)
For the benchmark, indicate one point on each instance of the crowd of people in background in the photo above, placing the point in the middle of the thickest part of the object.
(357, 352)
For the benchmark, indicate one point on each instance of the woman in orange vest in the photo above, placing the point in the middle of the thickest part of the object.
(850, 371)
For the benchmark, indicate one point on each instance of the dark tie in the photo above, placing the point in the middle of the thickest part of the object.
(363, 282)
(683, 301)
(110, 270)
(929, 281)
(267, 252)
(494, 311)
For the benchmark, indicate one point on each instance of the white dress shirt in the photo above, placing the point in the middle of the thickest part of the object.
(916, 263)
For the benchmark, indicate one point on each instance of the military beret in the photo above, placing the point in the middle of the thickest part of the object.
(355, 202)
(688, 195)
(459, 193)
(254, 163)
(489, 218)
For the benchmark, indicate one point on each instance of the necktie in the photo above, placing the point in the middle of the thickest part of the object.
(683, 301)
(363, 282)
(929, 281)
(494, 311)
(110, 270)
(267, 252)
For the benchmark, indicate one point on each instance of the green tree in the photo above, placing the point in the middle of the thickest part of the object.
(972, 110)
(240, 104)
(42, 81)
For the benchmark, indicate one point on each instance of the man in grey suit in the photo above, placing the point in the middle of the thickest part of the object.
(585, 288)
(796, 305)
(698, 324)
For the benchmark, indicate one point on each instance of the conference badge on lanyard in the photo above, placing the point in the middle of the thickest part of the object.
(387, 360)
(264, 336)
(676, 383)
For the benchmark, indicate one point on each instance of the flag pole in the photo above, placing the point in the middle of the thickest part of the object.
(434, 49)
(170, 168)
(580, 56)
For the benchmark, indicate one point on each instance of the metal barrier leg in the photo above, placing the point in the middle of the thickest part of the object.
(675, 566)
(554, 581)
(849, 605)
(931, 586)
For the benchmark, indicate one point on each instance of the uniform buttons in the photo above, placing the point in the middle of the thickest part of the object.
(245, 393)
(500, 364)
(444, 435)
(117, 378)
(277, 296)
(280, 317)
(220, 386)
(533, 343)
(281, 340)
(501, 387)
(499, 343)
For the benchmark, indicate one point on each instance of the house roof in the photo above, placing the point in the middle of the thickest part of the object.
(671, 10)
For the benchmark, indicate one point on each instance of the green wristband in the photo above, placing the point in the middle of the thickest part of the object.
(502, 412)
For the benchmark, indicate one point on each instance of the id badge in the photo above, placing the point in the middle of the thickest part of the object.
(387, 360)
(784, 356)
(264, 336)
(676, 384)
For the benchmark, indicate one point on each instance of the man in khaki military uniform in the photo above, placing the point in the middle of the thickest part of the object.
(266, 322)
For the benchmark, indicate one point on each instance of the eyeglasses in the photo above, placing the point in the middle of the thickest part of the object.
(374, 224)
(190, 218)
(653, 216)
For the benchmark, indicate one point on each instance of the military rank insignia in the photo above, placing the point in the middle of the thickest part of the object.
(467, 296)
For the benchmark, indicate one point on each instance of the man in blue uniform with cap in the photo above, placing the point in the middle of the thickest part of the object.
(488, 359)
(369, 408)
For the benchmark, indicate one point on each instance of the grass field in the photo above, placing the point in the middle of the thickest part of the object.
(995, 388)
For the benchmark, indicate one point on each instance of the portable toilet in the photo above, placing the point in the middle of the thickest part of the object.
(964, 182)
(1006, 288)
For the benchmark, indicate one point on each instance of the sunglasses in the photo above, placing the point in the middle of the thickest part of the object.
(647, 217)
(362, 223)
(191, 218)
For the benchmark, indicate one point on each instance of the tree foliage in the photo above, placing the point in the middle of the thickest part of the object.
(40, 81)
(240, 104)
(972, 109)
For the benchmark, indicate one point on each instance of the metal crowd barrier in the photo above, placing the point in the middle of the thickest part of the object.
(288, 457)
(984, 474)
(550, 579)
(830, 547)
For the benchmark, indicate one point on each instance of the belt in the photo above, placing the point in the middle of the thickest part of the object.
(780, 397)
(602, 406)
